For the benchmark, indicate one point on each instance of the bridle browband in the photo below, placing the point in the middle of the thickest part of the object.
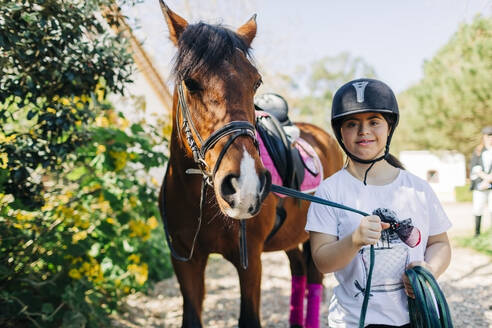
(232, 129)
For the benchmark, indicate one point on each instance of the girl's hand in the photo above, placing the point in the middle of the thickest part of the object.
(406, 281)
(369, 231)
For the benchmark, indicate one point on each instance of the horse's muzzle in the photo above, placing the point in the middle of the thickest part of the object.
(244, 202)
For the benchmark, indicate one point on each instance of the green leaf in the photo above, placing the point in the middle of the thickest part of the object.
(136, 128)
(73, 319)
(76, 173)
(47, 308)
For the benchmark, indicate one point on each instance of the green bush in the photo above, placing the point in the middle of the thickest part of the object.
(95, 239)
(78, 208)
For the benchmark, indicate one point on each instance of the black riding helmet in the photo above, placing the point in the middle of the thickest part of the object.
(274, 104)
(362, 96)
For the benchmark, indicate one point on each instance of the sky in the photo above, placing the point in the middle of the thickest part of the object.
(395, 37)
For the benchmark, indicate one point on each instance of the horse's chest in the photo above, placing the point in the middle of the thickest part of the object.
(219, 238)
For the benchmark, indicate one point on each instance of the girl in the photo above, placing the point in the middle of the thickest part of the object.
(364, 117)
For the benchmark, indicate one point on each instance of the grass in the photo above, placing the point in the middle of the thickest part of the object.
(482, 243)
(463, 193)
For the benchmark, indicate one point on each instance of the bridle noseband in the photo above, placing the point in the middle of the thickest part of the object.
(232, 129)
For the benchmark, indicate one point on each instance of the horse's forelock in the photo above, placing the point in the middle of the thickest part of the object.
(202, 47)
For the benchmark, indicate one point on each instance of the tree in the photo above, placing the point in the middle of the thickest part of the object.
(450, 105)
(78, 208)
(323, 78)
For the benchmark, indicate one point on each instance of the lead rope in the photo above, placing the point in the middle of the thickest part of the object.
(311, 198)
(422, 308)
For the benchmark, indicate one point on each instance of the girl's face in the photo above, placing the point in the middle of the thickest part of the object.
(487, 141)
(364, 135)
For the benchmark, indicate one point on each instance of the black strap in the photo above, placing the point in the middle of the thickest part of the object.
(243, 246)
(241, 127)
(240, 132)
(203, 196)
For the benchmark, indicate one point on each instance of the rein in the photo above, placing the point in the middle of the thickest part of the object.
(232, 129)
(311, 198)
(422, 310)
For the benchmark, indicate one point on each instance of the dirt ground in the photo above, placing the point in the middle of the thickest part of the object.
(467, 285)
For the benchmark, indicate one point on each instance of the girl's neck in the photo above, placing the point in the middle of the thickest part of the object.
(381, 173)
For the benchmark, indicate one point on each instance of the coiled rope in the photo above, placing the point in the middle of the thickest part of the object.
(423, 309)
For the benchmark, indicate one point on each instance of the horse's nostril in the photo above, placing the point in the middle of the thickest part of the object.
(253, 209)
(228, 188)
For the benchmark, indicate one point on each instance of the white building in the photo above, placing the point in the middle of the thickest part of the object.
(443, 170)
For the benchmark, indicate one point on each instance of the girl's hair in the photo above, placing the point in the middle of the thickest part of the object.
(390, 119)
(394, 161)
(391, 159)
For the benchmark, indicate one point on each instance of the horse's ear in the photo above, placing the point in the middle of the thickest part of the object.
(248, 30)
(176, 23)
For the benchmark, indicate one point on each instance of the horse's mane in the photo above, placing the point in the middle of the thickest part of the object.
(202, 47)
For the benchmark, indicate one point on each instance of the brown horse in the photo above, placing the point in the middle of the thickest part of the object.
(215, 174)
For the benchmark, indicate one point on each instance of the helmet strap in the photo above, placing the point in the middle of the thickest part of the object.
(367, 171)
(366, 161)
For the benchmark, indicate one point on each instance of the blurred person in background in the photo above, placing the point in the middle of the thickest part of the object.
(481, 177)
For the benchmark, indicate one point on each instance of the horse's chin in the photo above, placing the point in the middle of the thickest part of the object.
(237, 214)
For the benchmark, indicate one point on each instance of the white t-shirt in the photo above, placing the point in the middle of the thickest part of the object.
(407, 197)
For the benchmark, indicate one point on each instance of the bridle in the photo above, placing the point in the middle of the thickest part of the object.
(233, 129)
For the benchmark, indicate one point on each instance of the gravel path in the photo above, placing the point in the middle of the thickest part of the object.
(467, 285)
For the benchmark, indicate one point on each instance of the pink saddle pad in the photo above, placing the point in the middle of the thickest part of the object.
(313, 170)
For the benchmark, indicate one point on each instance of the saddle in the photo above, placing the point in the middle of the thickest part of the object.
(291, 160)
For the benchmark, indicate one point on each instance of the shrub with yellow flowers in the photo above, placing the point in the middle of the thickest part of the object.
(78, 208)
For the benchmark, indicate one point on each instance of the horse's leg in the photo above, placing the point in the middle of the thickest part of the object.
(298, 272)
(315, 289)
(250, 283)
(191, 278)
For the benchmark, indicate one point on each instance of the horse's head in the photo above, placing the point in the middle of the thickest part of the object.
(213, 100)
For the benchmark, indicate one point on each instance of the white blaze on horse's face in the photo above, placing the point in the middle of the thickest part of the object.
(248, 188)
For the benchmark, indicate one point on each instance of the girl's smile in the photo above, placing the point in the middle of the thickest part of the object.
(364, 142)
(364, 135)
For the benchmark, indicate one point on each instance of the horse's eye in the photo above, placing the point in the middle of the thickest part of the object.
(258, 84)
(192, 85)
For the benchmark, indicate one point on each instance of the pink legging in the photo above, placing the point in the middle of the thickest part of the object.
(314, 295)
(297, 300)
